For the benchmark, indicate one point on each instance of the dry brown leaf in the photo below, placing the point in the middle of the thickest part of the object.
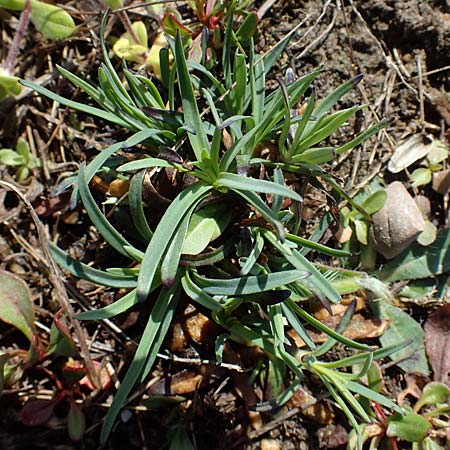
(358, 328)
(343, 235)
(320, 311)
(437, 342)
(181, 383)
(409, 151)
(310, 408)
(415, 382)
(270, 444)
(118, 188)
(201, 329)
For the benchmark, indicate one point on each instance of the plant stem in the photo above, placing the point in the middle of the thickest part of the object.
(127, 24)
(14, 50)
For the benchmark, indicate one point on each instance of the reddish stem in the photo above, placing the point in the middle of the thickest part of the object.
(15, 47)
(128, 27)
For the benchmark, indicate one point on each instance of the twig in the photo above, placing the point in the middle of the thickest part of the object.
(319, 39)
(419, 73)
(14, 50)
(264, 8)
(199, 362)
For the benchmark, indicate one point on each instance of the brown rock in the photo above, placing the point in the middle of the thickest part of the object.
(441, 181)
(398, 223)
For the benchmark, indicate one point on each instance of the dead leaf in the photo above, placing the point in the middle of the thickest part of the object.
(270, 444)
(437, 342)
(358, 328)
(201, 329)
(104, 378)
(320, 312)
(118, 188)
(183, 382)
(415, 382)
(409, 151)
(398, 223)
(310, 407)
(178, 341)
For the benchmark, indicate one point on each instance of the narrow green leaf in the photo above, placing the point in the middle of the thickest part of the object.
(162, 236)
(119, 306)
(93, 92)
(361, 358)
(303, 122)
(86, 272)
(199, 295)
(108, 231)
(307, 243)
(254, 200)
(171, 260)
(257, 86)
(240, 78)
(317, 282)
(320, 326)
(89, 110)
(190, 109)
(366, 134)
(254, 254)
(323, 129)
(248, 27)
(296, 324)
(239, 182)
(331, 99)
(144, 163)
(145, 354)
(250, 284)
(136, 204)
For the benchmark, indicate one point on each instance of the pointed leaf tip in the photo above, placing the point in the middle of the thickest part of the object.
(357, 79)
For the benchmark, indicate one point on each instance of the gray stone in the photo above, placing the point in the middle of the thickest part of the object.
(398, 223)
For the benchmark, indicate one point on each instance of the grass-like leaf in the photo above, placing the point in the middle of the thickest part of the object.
(198, 140)
(89, 110)
(158, 322)
(119, 306)
(144, 163)
(199, 295)
(111, 235)
(317, 281)
(88, 273)
(250, 284)
(327, 330)
(136, 204)
(239, 182)
(164, 232)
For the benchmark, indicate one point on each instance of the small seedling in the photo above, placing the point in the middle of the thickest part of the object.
(21, 159)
